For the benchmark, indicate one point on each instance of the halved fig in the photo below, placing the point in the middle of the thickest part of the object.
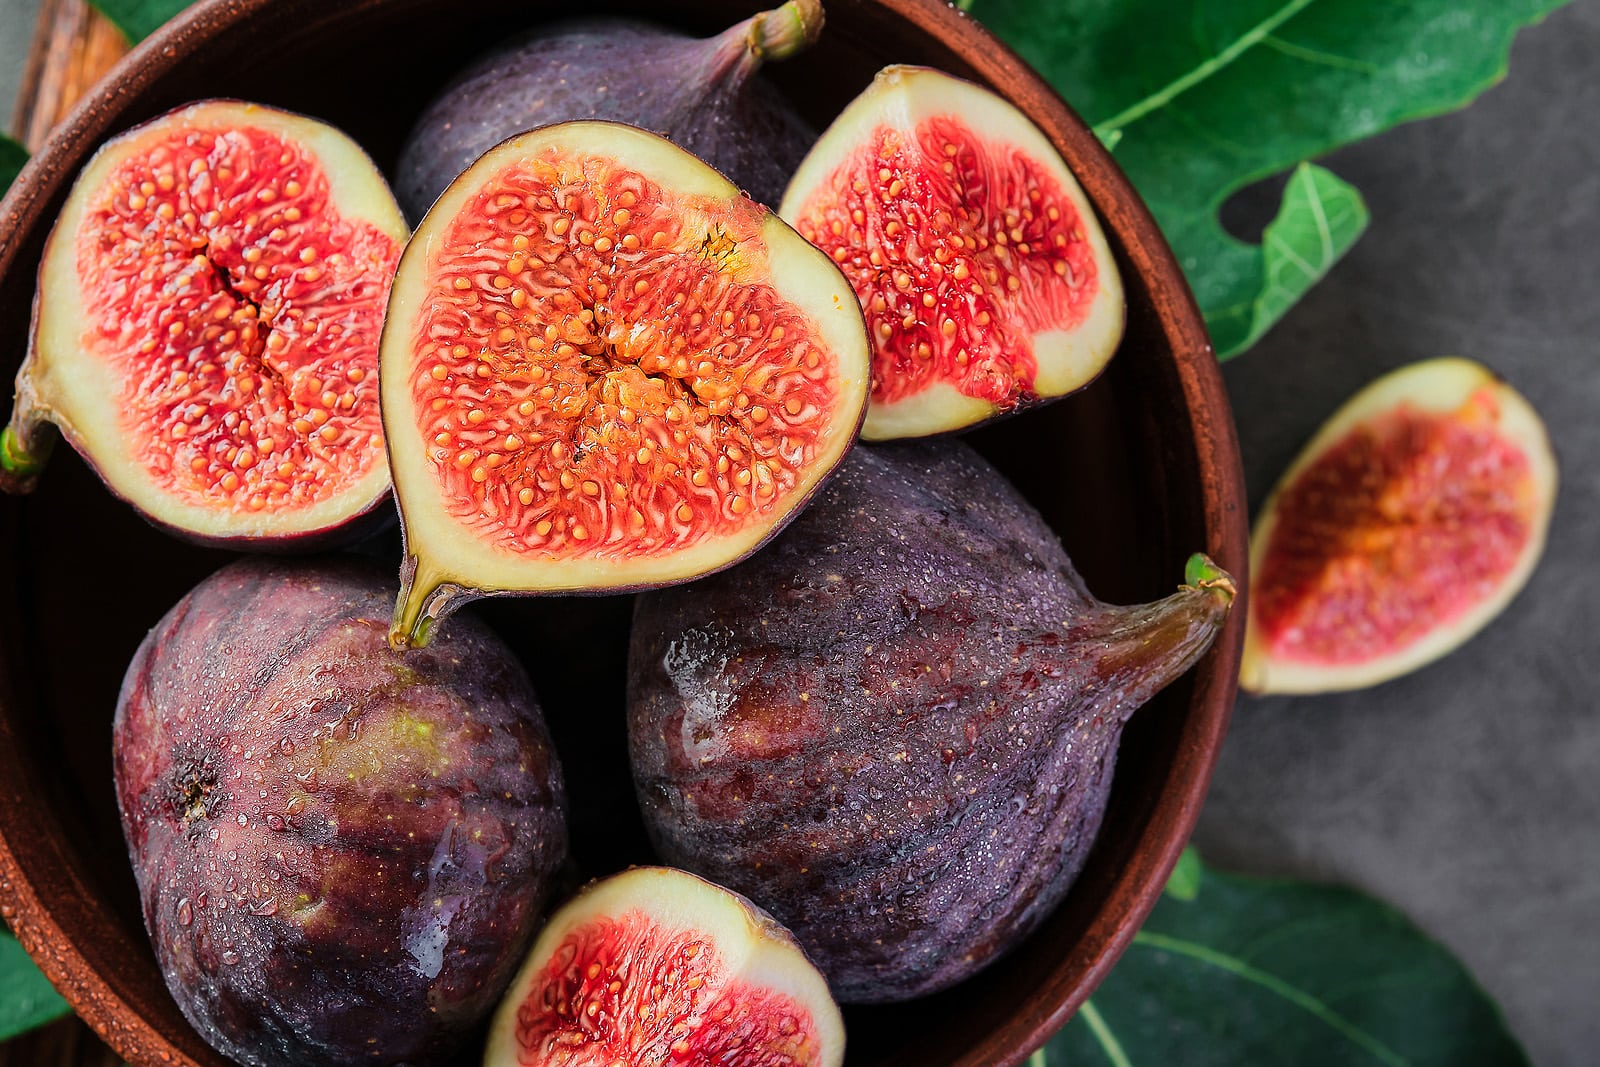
(1411, 519)
(605, 369)
(986, 281)
(206, 328)
(656, 966)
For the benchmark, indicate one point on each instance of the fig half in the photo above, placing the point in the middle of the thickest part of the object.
(986, 280)
(206, 327)
(604, 369)
(655, 966)
(1407, 523)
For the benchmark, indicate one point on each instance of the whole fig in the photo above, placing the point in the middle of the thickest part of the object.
(700, 93)
(342, 851)
(895, 727)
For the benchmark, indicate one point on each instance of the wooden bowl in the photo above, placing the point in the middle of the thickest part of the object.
(1135, 472)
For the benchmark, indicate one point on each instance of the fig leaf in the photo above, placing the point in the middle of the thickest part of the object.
(12, 157)
(1198, 100)
(26, 997)
(1233, 970)
(138, 19)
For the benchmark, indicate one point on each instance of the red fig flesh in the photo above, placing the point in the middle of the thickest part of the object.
(604, 368)
(655, 966)
(986, 281)
(206, 331)
(1409, 521)
(895, 727)
(341, 850)
(701, 94)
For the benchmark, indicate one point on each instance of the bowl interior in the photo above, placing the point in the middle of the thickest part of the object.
(1134, 472)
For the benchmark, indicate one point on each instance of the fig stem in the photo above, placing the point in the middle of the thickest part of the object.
(1151, 644)
(1202, 572)
(783, 31)
(425, 600)
(25, 447)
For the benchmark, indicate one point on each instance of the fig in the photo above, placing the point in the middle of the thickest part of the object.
(1410, 520)
(605, 369)
(986, 280)
(342, 851)
(895, 727)
(206, 327)
(699, 93)
(655, 966)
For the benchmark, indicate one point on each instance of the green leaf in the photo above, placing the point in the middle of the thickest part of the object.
(138, 19)
(1185, 880)
(1319, 219)
(12, 157)
(26, 997)
(1249, 971)
(1199, 99)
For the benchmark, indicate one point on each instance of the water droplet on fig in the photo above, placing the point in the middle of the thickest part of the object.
(185, 912)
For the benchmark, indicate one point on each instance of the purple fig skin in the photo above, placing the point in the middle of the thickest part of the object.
(699, 93)
(895, 727)
(342, 851)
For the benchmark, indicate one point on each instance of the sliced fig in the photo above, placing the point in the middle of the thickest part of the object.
(895, 727)
(605, 369)
(986, 280)
(206, 328)
(655, 966)
(700, 93)
(1409, 521)
(342, 851)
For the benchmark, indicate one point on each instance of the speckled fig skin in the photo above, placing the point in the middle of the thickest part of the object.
(341, 851)
(895, 727)
(700, 93)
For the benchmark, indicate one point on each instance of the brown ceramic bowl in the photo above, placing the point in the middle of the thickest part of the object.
(1135, 472)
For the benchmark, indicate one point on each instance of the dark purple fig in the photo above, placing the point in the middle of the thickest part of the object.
(895, 727)
(698, 92)
(342, 851)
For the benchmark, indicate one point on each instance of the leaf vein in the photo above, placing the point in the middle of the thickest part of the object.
(1246, 41)
(1273, 983)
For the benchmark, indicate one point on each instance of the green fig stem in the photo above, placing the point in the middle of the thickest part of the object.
(25, 447)
(1202, 572)
(783, 31)
(425, 600)
(1149, 645)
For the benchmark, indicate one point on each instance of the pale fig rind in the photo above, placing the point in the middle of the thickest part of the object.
(446, 563)
(62, 386)
(1065, 358)
(895, 727)
(740, 961)
(1447, 387)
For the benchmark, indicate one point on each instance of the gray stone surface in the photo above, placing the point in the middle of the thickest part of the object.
(1467, 794)
(16, 30)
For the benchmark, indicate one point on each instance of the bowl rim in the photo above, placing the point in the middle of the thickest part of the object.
(41, 924)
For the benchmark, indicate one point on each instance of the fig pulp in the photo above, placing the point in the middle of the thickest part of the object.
(655, 966)
(986, 281)
(604, 368)
(206, 327)
(895, 727)
(1408, 522)
(702, 94)
(341, 850)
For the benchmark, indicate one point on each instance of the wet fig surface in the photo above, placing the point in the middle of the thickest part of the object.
(341, 851)
(700, 93)
(895, 728)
